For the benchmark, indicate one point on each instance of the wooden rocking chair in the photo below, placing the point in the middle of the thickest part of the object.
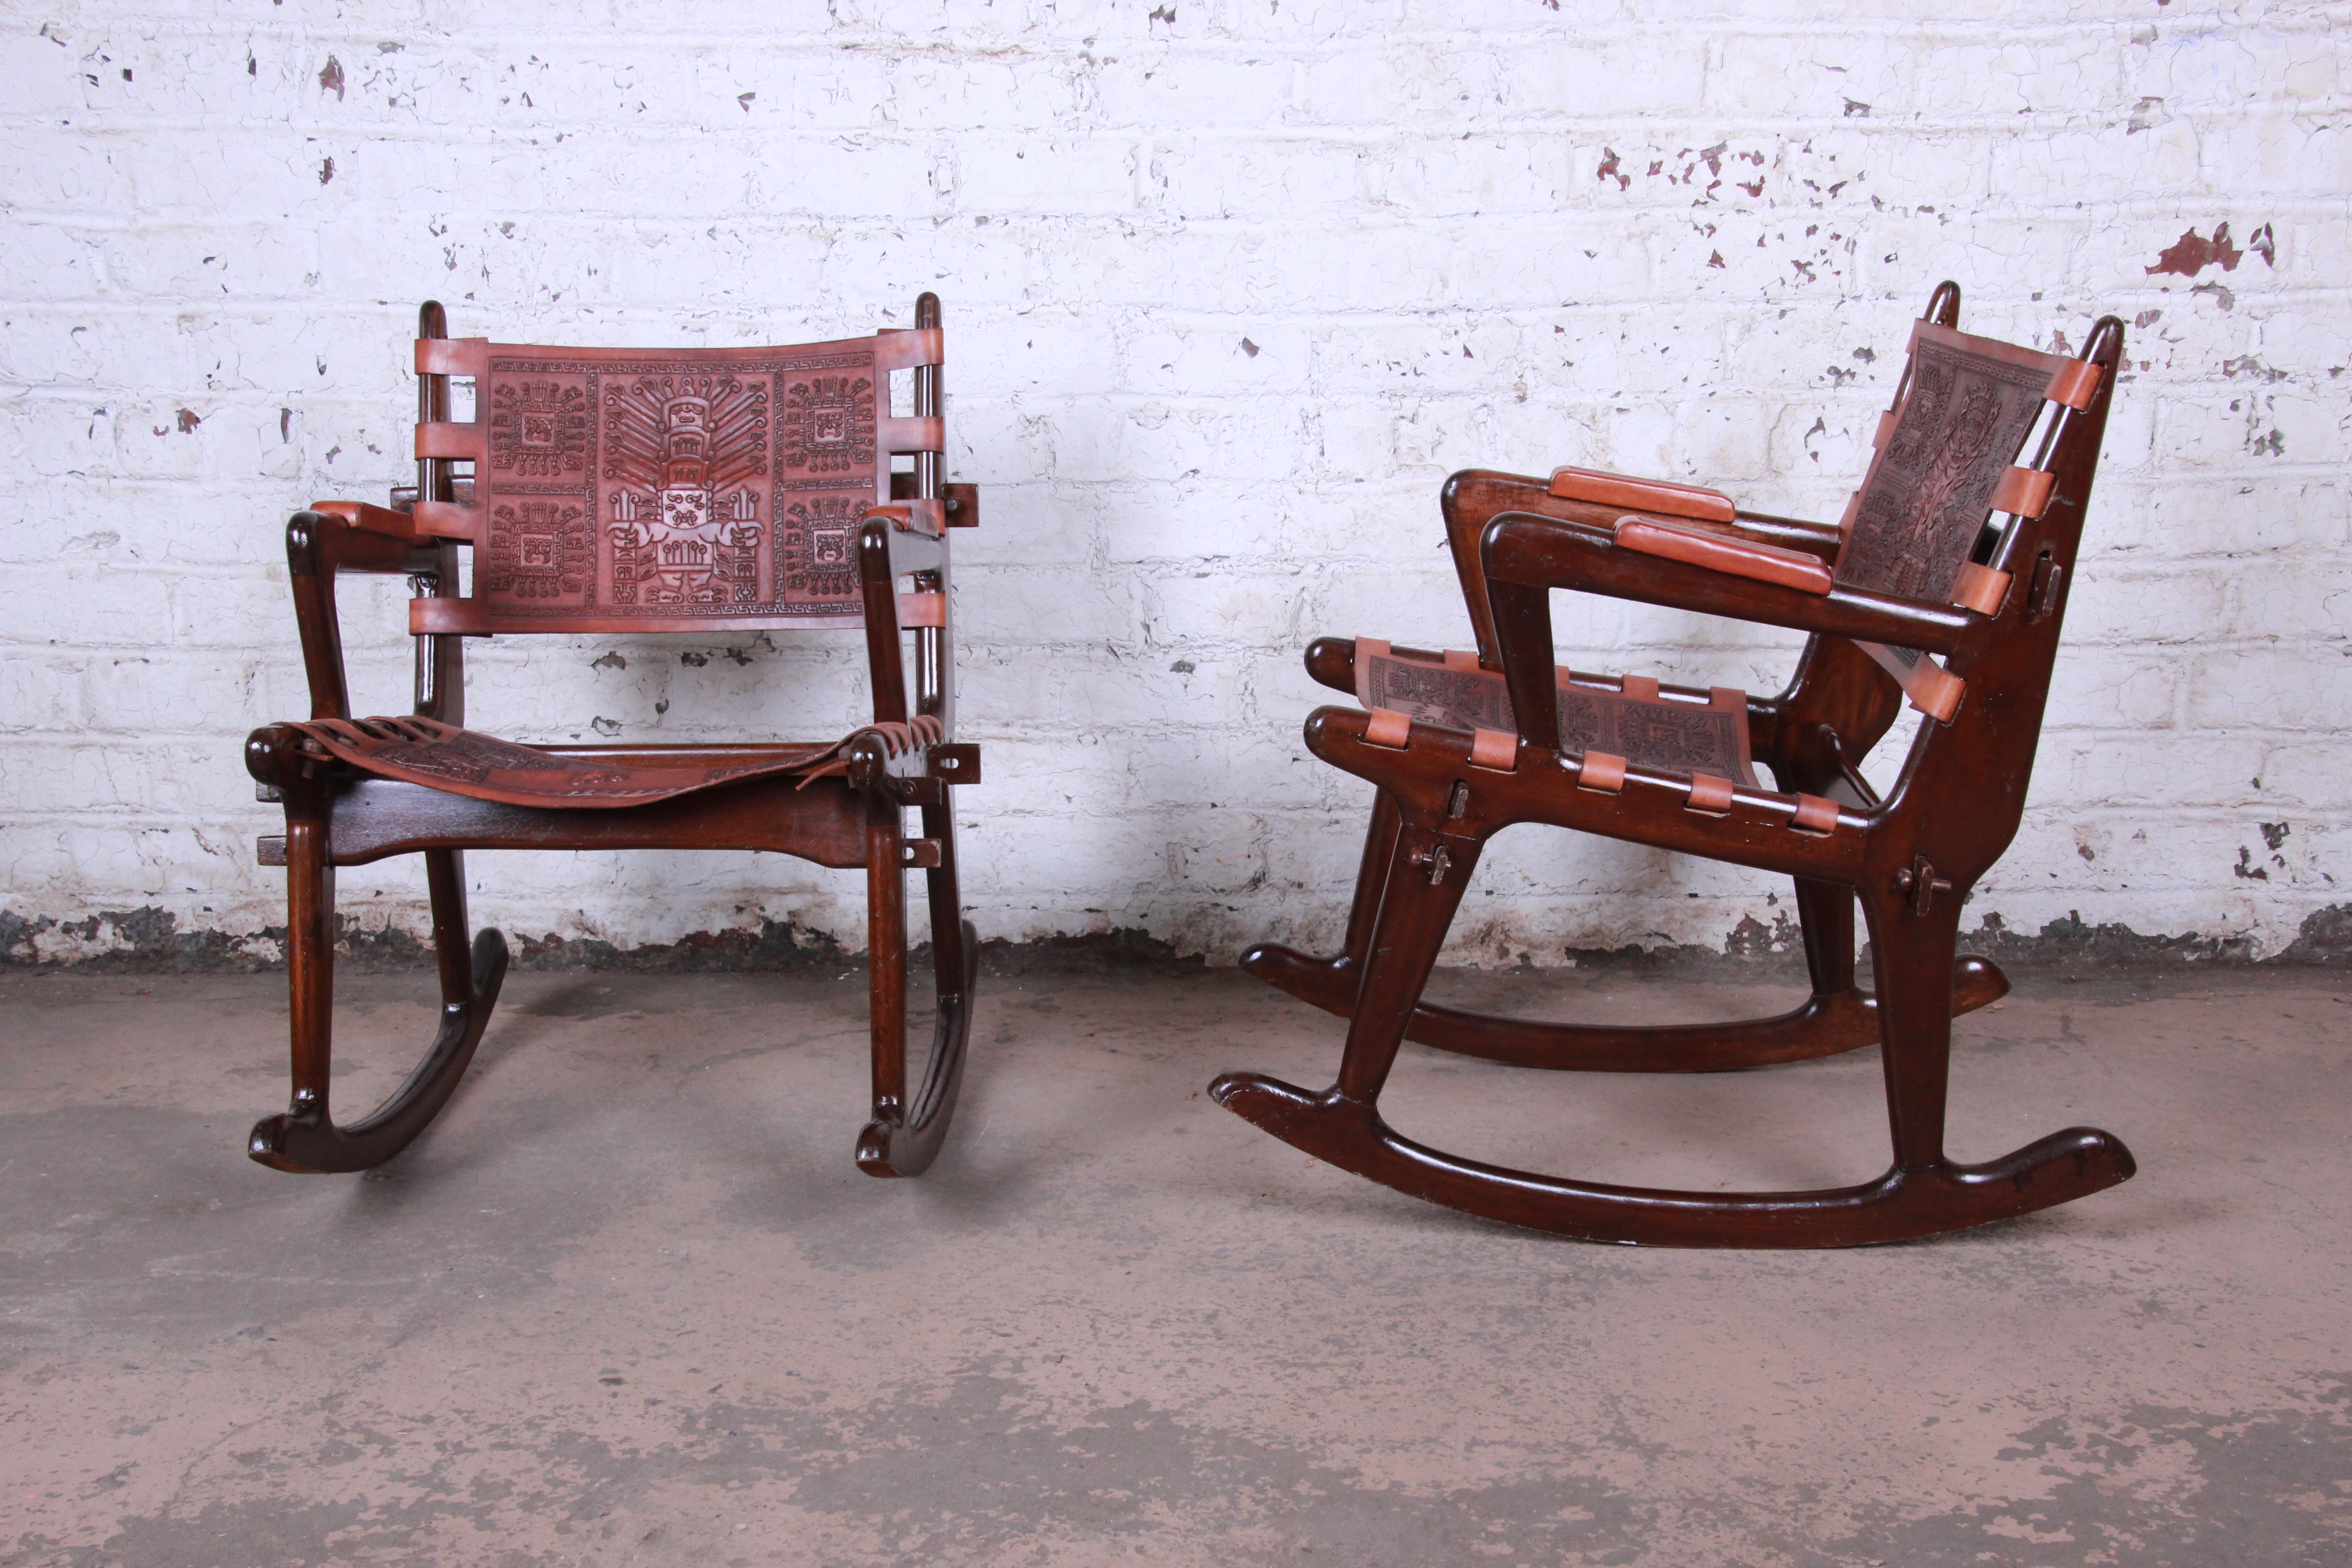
(610, 490)
(1915, 571)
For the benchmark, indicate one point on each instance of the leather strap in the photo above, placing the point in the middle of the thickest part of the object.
(1462, 660)
(1389, 728)
(1927, 685)
(451, 439)
(2024, 493)
(2075, 384)
(1885, 430)
(1601, 773)
(1641, 688)
(1709, 795)
(906, 348)
(1494, 749)
(452, 356)
(1980, 588)
(917, 434)
(1814, 815)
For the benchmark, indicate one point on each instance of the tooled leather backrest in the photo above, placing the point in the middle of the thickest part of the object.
(1945, 460)
(1966, 406)
(673, 489)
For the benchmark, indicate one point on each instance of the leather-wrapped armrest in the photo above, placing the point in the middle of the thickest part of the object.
(1662, 497)
(371, 518)
(1723, 553)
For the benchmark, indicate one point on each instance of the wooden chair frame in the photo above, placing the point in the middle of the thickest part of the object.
(1909, 858)
(1813, 735)
(337, 815)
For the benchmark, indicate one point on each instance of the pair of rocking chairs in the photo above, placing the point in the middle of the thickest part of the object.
(684, 490)
(1463, 745)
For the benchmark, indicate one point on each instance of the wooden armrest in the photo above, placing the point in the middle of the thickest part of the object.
(1723, 553)
(1660, 496)
(1523, 550)
(371, 518)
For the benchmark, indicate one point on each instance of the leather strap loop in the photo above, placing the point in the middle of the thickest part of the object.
(439, 438)
(1494, 749)
(1709, 795)
(452, 356)
(2024, 493)
(917, 434)
(1389, 728)
(909, 348)
(2074, 386)
(1980, 588)
(1601, 773)
(1814, 815)
(446, 520)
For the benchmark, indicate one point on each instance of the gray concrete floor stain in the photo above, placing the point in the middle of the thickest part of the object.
(630, 1303)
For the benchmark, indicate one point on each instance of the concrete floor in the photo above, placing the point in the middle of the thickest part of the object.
(630, 1303)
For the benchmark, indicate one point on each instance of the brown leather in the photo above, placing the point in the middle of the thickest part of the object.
(1661, 496)
(1462, 659)
(898, 737)
(1389, 728)
(1674, 733)
(452, 356)
(1885, 430)
(914, 434)
(463, 761)
(1722, 553)
(904, 348)
(450, 439)
(468, 618)
(670, 489)
(1814, 815)
(1980, 588)
(1966, 409)
(1709, 795)
(1601, 772)
(372, 518)
(2024, 493)
(2075, 386)
(1496, 749)
(1927, 685)
(445, 520)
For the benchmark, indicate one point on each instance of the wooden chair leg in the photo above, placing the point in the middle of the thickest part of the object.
(305, 1139)
(1923, 1193)
(1836, 1017)
(905, 1136)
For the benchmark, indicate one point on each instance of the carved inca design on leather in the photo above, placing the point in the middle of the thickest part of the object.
(815, 554)
(539, 429)
(681, 455)
(464, 762)
(829, 424)
(1971, 404)
(1673, 734)
(719, 485)
(539, 551)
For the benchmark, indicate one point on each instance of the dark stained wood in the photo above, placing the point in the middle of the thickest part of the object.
(338, 814)
(1908, 858)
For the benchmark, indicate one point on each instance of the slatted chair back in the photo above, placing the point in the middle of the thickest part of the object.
(689, 489)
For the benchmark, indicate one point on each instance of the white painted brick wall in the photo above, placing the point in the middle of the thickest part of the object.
(1497, 234)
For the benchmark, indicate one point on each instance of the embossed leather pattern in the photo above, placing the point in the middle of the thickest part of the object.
(621, 489)
(1654, 731)
(1970, 404)
(464, 762)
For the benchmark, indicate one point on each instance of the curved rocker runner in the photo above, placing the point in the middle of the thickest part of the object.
(1945, 587)
(635, 490)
